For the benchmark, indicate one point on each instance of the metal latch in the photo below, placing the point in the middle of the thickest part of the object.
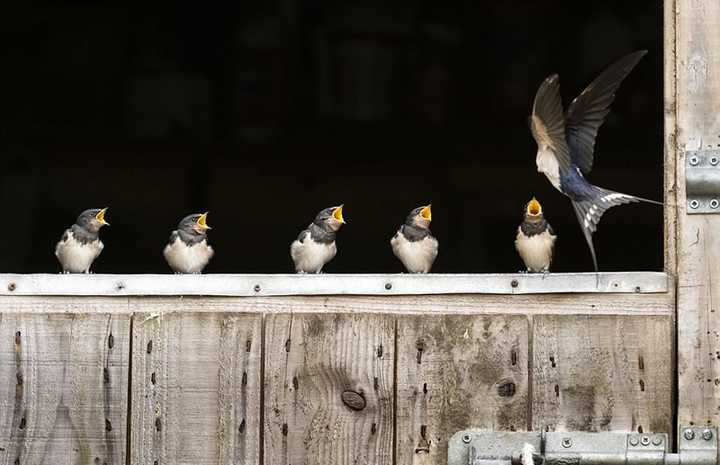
(702, 181)
(698, 446)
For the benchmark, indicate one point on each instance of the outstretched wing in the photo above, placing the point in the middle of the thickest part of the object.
(587, 112)
(547, 122)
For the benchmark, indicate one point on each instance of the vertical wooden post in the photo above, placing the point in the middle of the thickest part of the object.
(694, 63)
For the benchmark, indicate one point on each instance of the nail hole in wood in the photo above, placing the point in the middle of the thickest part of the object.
(244, 378)
(153, 380)
(420, 346)
(287, 345)
(373, 428)
(353, 400)
(111, 341)
(108, 425)
(640, 429)
(296, 383)
(513, 357)
(149, 346)
(557, 391)
(552, 361)
(641, 362)
(248, 345)
(106, 375)
(19, 377)
(158, 424)
(425, 388)
(22, 423)
(380, 351)
(17, 338)
(376, 383)
(241, 429)
(642, 386)
(284, 429)
(506, 389)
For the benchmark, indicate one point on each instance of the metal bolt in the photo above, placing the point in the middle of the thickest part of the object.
(707, 434)
(689, 434)
(645, 440)
(388, 286)
(633, 440)
(713, 160)
(566, 442)
(694, 160)
(657, 440)
(694, 204)
(466, 438)
(714, 203)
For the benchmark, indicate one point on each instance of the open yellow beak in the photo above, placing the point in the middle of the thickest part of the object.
(202, 221)
(337, 214)
(101, 217)
(534, 208)
(426, 213)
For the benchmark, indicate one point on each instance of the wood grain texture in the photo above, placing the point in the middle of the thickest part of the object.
(457, 372)
(196, 383)
(63, 388)
(468, 304)
(602, 373)
(311, 362)
(697, 28)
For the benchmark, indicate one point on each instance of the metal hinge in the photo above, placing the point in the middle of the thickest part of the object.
(698, 446)
(702, 181)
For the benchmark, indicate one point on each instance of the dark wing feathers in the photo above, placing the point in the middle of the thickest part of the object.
(547, 121)
(587, 112)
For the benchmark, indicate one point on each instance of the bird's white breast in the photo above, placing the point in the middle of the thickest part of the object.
(548, 165)
(76, 257)
(536, 251)
(417, 256)
(310, 256)
(184, 258)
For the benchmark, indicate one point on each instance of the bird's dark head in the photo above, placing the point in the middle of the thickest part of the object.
(331, 218)
(195, 224)
(92, 220)
(533, 210)
(420, 217)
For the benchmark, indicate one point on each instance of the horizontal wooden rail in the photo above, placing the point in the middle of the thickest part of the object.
(245, 285)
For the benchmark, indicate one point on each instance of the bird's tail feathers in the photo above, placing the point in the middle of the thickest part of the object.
(590, 211)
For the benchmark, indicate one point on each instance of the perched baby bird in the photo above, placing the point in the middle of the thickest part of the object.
(188, 250)
(535, 240)
(315, 246)
(414, 244)
(80, 244)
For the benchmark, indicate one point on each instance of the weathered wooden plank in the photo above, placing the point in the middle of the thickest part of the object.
(63, 388)
(596, 373)
(457, 372)
(329, 389)
(697, 50)
(196, 381)
(329, 284)
(565, 304)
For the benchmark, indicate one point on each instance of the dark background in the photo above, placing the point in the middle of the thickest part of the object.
(269, 111)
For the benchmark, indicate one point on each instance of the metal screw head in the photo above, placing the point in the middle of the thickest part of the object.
(634, 441)
(466, 438)
(388, 286)
(694, 160)
(645, 440)
(713, 160)
(714, 203)
(657, 440)
(707, 434)
(257, 288)
(566, 442)
(694, 204)
(514, 283)
(689, 434)
(11, 287)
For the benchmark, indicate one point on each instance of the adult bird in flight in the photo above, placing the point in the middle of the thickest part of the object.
(566, 142)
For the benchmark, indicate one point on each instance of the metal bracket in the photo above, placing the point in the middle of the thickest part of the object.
(702, 181)
(698, 446)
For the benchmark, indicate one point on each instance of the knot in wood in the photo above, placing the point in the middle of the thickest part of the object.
(353, 400)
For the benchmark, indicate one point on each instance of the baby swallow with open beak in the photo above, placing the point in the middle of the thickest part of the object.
(80, 244)
(535, 241)
(188, 250)
(315, 246)
(414, 244)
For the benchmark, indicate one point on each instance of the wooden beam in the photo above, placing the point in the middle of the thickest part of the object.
(456, 372)
(329, 384)
(697, 67)
(196, 382)
(63, 394)
(330, 284)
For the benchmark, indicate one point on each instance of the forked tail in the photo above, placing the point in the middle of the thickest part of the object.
(590, 211)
